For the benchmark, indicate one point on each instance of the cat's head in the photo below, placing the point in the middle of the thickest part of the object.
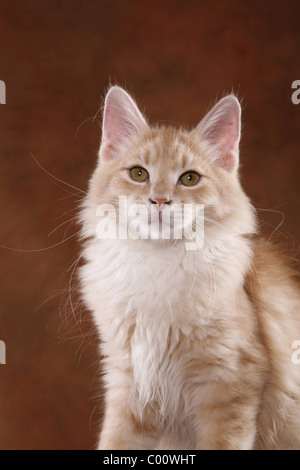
(164, 168)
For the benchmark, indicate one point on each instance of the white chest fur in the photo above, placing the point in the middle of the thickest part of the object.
(143, 297)
(138, 294)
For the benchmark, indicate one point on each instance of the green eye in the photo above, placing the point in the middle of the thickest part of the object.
(190, 178)
(139, 174)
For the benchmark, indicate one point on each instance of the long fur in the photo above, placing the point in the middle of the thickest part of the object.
(197, 345)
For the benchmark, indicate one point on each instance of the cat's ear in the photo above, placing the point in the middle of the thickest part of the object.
(221, 129)
(121, 121)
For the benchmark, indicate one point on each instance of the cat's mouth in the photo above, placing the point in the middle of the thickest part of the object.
(163, 225)
(139, 221)
(163, 222)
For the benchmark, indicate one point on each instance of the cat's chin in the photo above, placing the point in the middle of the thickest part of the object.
(159, 231)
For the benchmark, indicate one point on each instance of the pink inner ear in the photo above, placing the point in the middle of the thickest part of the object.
(228, 137)
(228, 146)
(113, 126)
(221, 128)
(121, 121)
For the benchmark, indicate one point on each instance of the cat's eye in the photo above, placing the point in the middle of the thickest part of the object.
(139, 174)
(190, 178)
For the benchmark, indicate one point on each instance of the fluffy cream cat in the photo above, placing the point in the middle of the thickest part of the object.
(197, 343)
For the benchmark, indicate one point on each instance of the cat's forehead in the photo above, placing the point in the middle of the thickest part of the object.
(167, 146)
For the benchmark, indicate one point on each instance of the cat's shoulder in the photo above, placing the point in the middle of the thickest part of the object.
(273, 263)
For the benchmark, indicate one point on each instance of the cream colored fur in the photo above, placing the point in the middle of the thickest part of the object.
(196, 344)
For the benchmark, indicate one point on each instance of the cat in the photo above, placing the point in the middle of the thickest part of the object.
(196, 343)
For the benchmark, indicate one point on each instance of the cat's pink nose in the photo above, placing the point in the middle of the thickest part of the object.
(160, 201)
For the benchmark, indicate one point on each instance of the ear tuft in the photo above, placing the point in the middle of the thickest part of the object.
(121, 121)
(221, 129)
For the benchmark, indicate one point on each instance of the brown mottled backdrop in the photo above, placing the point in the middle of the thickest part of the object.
(57, 59)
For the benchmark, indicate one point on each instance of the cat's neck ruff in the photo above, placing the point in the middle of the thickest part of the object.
(138, 272)
(155, 252)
